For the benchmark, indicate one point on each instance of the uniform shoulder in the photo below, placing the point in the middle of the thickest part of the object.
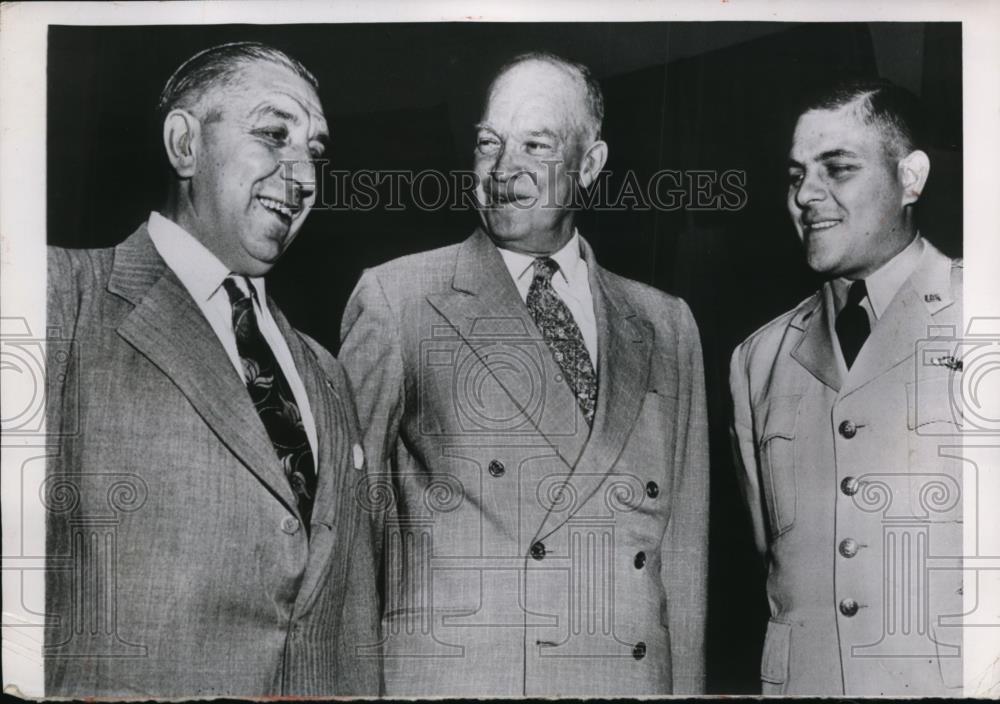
(777, 326)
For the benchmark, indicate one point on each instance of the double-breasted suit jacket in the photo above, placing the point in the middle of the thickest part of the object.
(177, 562)
(855, 497)
(526, 553)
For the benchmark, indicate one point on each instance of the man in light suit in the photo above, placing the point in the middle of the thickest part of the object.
(203, 538)
(537, 427)
(840, 416)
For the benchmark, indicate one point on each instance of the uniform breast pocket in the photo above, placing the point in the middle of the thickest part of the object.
(776, 418)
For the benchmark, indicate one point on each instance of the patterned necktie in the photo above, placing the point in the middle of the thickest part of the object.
(273, 398)
(852, 324)
(563, 336)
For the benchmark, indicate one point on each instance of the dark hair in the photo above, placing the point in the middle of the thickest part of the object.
(894, 111)
(594, 97)
(219, 66)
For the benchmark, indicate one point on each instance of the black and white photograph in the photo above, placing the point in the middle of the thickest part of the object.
(523, 352)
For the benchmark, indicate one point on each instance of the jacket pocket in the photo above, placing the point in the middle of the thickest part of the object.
(774, 661)
(933, 406)
(776, 419)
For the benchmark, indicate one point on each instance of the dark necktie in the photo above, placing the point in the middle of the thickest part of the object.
(273, 399)
(563, 336)
(852, 325)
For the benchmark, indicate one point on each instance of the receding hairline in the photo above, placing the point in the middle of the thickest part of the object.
(224, 67)
(589, 92)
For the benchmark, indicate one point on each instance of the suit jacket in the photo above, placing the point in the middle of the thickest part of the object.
(525, 553)
(177, 565)
(854, 497)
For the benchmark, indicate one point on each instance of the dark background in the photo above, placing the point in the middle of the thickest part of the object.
(682, 96)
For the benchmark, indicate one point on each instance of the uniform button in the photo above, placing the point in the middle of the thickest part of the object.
(848, 429)
(538, 550)
(848, 547)
(639, 650)
(496, 468)
(290, 524)
(652, 490)
(640, 560)
(850, 485)
(848, 607)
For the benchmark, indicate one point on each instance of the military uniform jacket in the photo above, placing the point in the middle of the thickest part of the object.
(177, 565)
(525, 553)
(854, 493)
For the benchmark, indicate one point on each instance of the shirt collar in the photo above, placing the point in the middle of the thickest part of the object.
(883, 284)
(568, 258)
(196, 266)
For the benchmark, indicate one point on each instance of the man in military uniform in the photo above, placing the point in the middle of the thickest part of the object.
(838, 422)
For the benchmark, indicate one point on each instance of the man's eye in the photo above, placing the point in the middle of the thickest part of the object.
(795, 178)
(840, 170)
(487, 145)
(538, 146)
(274, 134)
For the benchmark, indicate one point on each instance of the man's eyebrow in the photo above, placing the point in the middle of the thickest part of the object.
(265, 109)
(543, 133)
(484, 126)
(837, 154)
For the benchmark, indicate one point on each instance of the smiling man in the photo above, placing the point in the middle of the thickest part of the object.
(838, 419)
(537, 428)
(209, 547)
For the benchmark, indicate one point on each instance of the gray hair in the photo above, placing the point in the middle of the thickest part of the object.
(219, 67)
(593, 98)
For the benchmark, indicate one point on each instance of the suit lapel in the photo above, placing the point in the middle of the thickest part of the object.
(908, 318)
(624, 348)
(815, 351)
(168, 328)
(334, 505)
(486, 311)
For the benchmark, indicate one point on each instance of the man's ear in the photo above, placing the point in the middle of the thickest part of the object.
(913, 170)
(592, 162)
(181, 131)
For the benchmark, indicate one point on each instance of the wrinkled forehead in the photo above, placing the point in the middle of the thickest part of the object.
(536, 92)
(822, 131)
(261, 82)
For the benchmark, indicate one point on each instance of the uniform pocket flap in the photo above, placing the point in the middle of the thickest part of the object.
(777, 648)
(776, 417)
(931, 401)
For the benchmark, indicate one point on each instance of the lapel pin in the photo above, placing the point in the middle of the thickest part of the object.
(947, 361)
(932, 298)
(359, 456)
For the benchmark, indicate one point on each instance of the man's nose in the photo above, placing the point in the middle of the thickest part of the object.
(505, 165)
(299, 172)
(811, 189)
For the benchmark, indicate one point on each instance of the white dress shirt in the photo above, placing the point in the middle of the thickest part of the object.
(202, 275)
(883, 284)
(571, 283)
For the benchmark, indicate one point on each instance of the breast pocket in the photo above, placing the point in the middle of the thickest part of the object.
(776, 418)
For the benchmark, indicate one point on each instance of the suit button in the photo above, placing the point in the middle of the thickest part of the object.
(848, 607)
(496, 468)
(848, 547)
(639, 650)
(850, 485)
(290, 524)
(848, 429)
(538, 550)
(640, 560)
(652, 490)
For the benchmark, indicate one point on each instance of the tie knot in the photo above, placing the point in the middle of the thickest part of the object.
(233, 290)
(545, 268)
(856, 293)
